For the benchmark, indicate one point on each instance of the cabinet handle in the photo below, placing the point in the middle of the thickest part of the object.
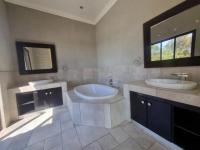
(149, 104)
(142, 102)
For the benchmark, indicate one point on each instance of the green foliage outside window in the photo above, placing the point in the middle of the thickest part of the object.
(182, 49)
(155, 52)
(168, 49)
(184, 46)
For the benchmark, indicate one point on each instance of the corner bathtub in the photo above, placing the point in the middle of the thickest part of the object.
(95, 92)
(96, 105)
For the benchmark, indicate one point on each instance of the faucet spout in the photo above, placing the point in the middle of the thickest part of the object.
(181, 76)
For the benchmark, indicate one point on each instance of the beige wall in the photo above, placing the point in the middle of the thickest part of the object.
(6, 65)
(75, 42)
(120, 41)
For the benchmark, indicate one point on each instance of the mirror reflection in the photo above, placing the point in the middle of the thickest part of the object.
(177, 37)
(37, 58)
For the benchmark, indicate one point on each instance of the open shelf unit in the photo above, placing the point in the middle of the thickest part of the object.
(186, 128)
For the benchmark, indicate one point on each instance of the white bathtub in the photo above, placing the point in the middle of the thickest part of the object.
(95, 91)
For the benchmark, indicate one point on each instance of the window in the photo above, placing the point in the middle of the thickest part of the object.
(155, 52)
(184, 46)
(168, 49)
(180, 46)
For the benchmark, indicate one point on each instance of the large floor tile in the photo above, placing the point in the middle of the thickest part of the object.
(108, 142)
(67, 125)
(53, 142)
(130, 144)
(157, 146)
(20, 141)
(139, 136)
(5, 143)
(36, 146)
(144, 140)
(131, 130)
(44, 132)
(89, 134)
(70, 140)
(58, 148)
(119, 134)
(93, 146)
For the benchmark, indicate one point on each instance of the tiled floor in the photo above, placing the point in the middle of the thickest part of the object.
(54, 130)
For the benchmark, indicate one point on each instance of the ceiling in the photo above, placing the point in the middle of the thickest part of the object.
(92, 12)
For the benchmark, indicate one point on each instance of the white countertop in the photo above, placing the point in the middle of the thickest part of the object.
(29, 88)
(190, 97)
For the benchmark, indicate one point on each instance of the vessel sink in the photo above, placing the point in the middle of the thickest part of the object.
(34, 83)
(171, 84)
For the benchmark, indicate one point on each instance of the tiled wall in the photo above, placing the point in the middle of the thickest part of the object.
(72, 76)
(120, 42)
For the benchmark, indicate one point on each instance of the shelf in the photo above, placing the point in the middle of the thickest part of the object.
(28, 103)
(26, 108)
(187, 130)
(187, 119)
(186, 139)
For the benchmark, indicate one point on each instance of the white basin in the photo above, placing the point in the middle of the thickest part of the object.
(34, 83)
(171, 84)
(95, 92)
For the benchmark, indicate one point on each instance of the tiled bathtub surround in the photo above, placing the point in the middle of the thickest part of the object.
(105, 113)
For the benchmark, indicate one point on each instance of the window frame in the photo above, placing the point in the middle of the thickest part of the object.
(191, 61)
(174, 50)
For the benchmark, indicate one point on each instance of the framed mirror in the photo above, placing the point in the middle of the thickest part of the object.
(36, 58)
(172, 39)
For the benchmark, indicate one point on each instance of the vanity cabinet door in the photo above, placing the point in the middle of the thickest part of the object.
(138, 108)
(50, 97)
(159, 117)
(55, 97)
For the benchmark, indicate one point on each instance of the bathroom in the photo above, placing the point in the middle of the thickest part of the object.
(102, 44)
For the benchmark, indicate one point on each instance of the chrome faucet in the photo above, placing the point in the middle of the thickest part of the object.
(181, 76)
(111, 82)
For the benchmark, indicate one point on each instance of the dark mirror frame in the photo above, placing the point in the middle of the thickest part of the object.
(21, 63)
(194, 61)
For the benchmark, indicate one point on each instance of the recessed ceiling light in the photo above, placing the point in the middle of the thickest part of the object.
(81, 7)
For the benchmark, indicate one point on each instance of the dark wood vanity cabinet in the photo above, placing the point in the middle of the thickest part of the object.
(176, 122)
(50, 97)
(151, 113)
(31, 101)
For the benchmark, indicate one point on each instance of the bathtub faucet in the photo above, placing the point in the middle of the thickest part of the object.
(111, 82)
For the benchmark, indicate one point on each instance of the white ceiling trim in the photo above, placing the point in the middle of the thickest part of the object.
(64, 14)
(108, 6)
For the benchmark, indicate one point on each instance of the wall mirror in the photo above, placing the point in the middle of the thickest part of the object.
(35, 58)
(172, 39)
